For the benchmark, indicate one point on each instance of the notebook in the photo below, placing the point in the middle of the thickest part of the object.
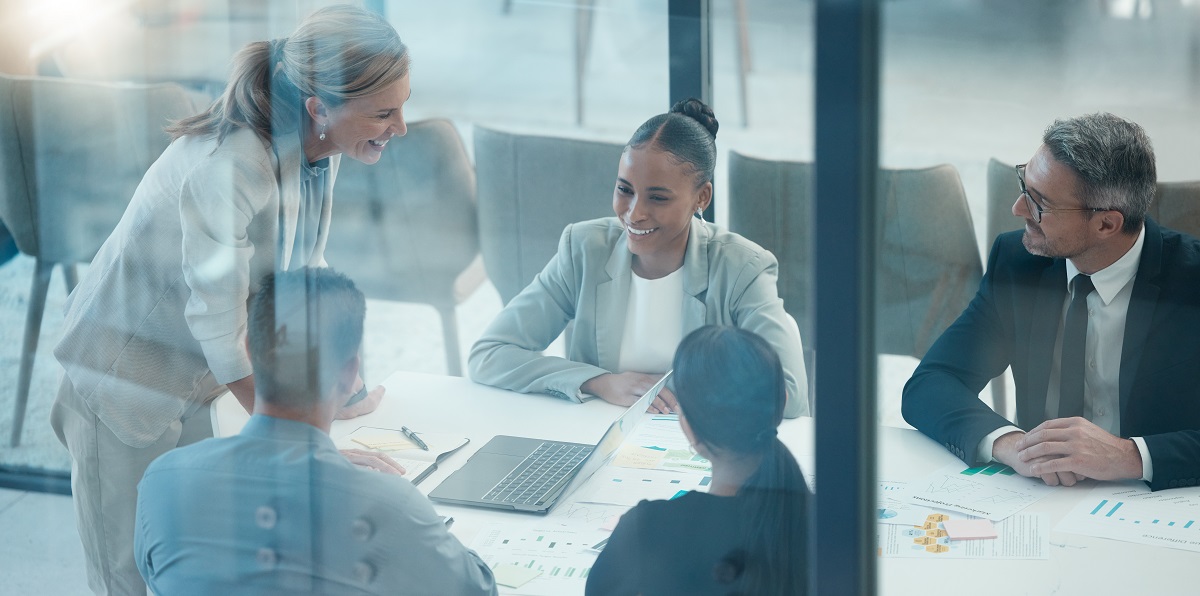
(532, 475)
(417, 462)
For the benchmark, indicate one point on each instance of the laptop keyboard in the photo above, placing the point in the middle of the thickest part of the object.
(538, 473)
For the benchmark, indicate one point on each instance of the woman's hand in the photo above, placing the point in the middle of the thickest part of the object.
(365, 406)
(375, 460)
(624, 389)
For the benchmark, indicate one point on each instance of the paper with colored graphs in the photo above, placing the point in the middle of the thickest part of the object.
(659, 444)
(890, 508)
(557, 560)
(995, 491)
(1132, 513)
(1022, 536)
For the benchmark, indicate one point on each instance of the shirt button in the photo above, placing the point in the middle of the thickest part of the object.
(266, 557)
(1100, 411)
(364, 572)
(1092, 364)
(361, 529)
(265, 517)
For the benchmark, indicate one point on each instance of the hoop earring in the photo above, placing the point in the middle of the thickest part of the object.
(322, 137)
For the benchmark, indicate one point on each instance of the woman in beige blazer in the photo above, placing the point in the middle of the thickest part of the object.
(156, 328)
(637, 283)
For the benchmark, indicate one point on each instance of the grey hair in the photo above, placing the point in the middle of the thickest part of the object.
(1114, 159)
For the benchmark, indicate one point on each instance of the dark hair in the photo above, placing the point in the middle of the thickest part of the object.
(688, 132)
(340, 52)
(304, 326)
(731, 389)
(1114, 160)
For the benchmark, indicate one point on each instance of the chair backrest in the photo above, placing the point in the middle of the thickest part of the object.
(81, 149)
(770, 203)
(927, 267)
(530, 188)
(405, 227)
(1002, 191)
(1176, 204)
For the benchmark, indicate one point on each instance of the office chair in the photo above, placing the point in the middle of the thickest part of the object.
(73, 152)
(530, 188)
(405, 229)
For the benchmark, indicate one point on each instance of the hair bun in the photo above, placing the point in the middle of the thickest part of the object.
(700, 112)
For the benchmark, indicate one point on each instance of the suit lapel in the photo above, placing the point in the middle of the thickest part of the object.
(1047, 314)
(1142, 302)
(612, 302)
(695, 277)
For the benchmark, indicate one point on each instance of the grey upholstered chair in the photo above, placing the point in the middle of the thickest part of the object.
(405, 228)
(1002, 191)
(927, 267)
(71, 155)
(530, 188)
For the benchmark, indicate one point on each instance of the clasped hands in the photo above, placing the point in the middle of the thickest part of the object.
(1067, 450)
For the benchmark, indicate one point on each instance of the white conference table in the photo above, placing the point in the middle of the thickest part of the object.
(1077, 564)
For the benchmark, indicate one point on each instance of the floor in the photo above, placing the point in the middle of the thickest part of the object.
(962, 81)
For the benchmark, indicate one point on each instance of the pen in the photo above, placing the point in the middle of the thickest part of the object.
(412, 436)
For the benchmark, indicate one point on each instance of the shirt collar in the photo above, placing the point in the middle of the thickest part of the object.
(1109, 280)
(312, 170)
(282, 429)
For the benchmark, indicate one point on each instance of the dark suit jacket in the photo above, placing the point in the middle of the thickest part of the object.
(1013, 321)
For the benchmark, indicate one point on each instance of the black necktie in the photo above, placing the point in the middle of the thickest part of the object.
(1070, 396)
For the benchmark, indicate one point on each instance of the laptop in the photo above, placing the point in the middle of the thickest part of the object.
(532, 475)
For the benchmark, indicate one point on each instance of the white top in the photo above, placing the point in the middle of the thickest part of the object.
(653, 324)
(1107, 310)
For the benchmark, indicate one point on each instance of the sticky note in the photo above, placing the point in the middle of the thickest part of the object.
(969, 529)
(514, 576)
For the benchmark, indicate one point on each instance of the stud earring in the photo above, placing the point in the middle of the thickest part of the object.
(322, 137)
(700, 214)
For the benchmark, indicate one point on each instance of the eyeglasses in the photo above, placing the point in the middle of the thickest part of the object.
(1036, 209)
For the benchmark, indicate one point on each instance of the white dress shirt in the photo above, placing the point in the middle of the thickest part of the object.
(1108, 306)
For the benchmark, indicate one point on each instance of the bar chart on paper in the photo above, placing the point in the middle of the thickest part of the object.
(560, 554)
(1147, 522)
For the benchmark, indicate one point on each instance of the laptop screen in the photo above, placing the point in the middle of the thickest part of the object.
(607, 447)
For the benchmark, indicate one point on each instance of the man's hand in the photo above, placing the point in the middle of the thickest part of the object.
(1005, 451)
(366, 406)
(624, 389)
(1076, 445)
(375, 460)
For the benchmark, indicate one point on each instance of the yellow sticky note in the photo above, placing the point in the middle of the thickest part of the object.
(514, 576)
(633, 456)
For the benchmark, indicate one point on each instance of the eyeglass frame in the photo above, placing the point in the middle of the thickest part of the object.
(1036, 209)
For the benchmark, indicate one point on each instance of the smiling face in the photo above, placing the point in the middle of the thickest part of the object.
(1061, 234)
(655, 198)
(359, 128)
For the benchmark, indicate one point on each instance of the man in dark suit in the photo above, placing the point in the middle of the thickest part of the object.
(1097, 310)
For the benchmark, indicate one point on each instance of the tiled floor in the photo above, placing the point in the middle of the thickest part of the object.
(39, 549)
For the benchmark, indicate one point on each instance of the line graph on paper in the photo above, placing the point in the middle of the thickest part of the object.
(994, 492)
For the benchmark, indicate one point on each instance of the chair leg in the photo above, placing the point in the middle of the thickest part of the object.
(450, 339)
(33, 326)
(70, 276)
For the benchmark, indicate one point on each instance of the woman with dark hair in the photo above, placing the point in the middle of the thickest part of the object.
(748, 534)
(156, 328)
(635, 284)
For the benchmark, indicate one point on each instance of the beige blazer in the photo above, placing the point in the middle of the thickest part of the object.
(727, 280)
(158, 321)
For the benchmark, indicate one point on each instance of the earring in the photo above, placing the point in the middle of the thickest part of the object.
(322, 137)
(700, 214)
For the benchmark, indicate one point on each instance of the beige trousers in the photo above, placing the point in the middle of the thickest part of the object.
(104, 476)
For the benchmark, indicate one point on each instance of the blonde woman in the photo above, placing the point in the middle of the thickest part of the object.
(156, 328)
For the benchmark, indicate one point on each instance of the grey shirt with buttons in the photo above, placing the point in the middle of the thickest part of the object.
(277, 510)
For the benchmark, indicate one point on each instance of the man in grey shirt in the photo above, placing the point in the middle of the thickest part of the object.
(276, 509)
